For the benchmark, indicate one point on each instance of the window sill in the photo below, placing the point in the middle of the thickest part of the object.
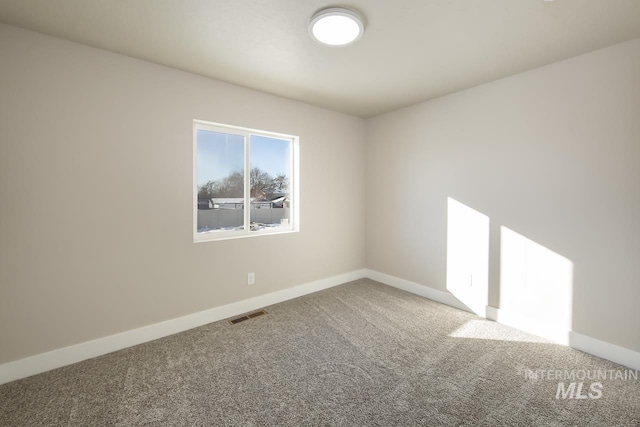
(214, 236)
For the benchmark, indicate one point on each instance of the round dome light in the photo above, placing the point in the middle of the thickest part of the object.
(336, 27)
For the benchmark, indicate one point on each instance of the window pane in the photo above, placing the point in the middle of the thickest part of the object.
(270, 179)
(220, 181)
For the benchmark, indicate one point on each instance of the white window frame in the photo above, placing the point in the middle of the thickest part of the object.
(294, 183)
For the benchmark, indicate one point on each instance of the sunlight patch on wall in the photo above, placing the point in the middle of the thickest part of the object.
(468, 255)
(536, 286)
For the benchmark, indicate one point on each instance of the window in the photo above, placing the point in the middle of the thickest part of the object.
(236, 167)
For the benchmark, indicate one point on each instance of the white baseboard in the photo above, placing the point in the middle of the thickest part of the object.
(76, 353)
(596, 347)
(612, 352)
(415, 288)
(623, 356)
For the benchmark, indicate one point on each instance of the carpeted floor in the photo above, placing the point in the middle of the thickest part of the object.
(354, 355)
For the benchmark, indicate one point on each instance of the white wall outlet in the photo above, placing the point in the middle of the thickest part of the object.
(251, 278)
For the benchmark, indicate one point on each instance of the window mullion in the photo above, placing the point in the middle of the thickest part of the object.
(247, 183)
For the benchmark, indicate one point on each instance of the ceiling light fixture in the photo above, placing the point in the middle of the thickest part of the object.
(336, 26)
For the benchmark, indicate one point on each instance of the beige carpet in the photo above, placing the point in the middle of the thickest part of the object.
(355, 355)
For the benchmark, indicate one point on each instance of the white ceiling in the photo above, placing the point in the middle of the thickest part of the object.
(412, 50)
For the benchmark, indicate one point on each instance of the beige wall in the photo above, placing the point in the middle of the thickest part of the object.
(553, 154)
(86, 130)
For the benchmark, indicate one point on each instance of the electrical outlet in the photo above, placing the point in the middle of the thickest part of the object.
(251, 278)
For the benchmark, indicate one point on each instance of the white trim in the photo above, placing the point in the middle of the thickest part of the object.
(415, 288)
(596, 347)
(247, 185)
(76, 353)
(615, 353)
(492, 313)
(217, 127)
(230, 235)
(624, 356)
(294, 184)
